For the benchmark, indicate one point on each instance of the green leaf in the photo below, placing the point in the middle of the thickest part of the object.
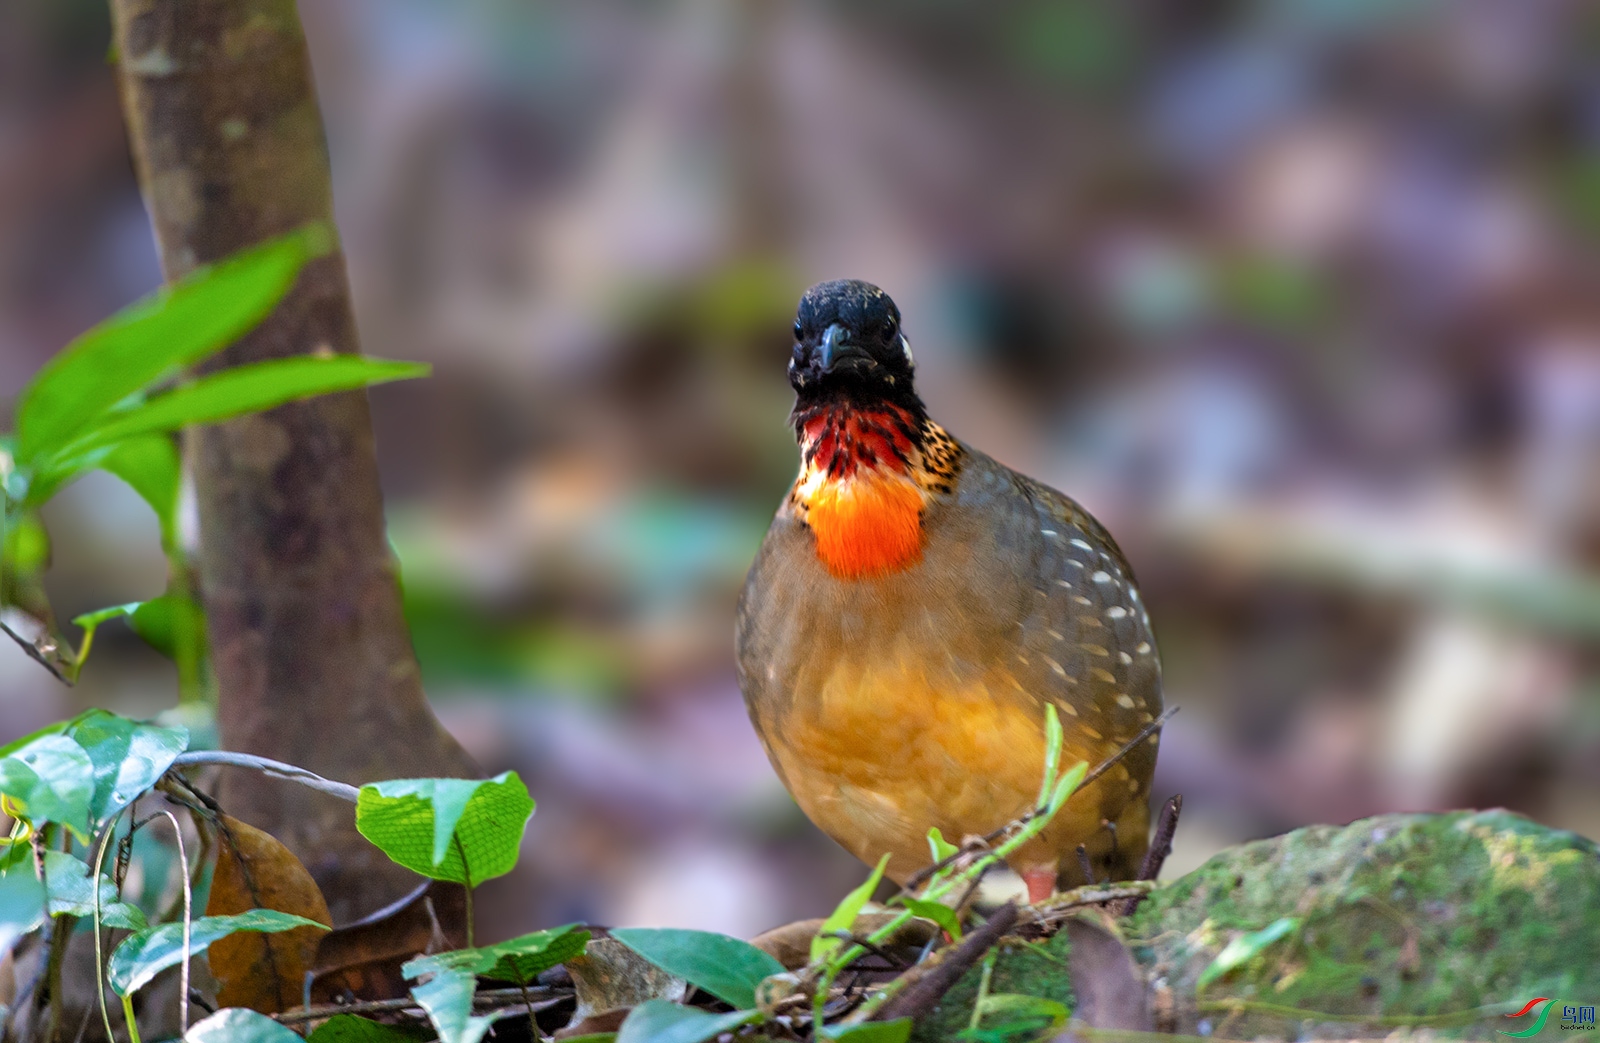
(250, 388)
(237, 1025)
(523, 959)
(1066, 785)
(726, 967)
(128, 756)
(347, 1028)
(21, 902)
(938, 846)
(896, 1031)
(447, 999)
(431, 825)
(160, 621)
(657, 1021)
(151, 466)
(1245, 948)
(938, 912)
(51, 779)
(1026, 1018)
(27, 545)
(175, 328)
(844, 915)
(146, 953)
(519, 960)
(38, 487)
(67, 879)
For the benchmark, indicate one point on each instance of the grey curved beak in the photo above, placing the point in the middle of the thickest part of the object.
(833, 338)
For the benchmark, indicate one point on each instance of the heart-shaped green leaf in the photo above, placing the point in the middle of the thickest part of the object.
(462, 830)
(447, 999)
(128, 756)
(657, 1021)
(726, 967)
(144, 954)
(67, 879)
(50, 779)
(518, 960)
(237, 1025)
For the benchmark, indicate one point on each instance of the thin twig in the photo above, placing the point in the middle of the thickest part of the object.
(36, 655)
(1160, 847)
(1055, 907)
(489, 998)
(276, 769)
(922, 990)
(922, 875)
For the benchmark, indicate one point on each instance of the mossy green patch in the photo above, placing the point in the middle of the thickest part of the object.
(1444, 922)
(1030, 969)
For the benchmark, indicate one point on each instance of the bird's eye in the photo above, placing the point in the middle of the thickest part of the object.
(798, 330)
(890, 328)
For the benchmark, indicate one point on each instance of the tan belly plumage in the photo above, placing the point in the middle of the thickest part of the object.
(879, 754)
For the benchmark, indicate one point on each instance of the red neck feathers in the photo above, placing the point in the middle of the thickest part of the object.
(859, 488)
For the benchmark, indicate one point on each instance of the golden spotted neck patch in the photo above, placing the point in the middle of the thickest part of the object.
(866, 478)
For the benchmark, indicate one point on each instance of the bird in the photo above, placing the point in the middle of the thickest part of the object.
(913, 609)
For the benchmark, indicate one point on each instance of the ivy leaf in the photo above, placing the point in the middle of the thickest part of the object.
(462, 830)
(726, 967)
(519, 960)
(447, 996)
(237, 1025)
(844, 915)
(146, 953)
(657, 1021)
(21, 902)
(50, 779)
(128, 756)
(67, 880)
(447, 999)
(938, 846)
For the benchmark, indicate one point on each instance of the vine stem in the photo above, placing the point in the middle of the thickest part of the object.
(267, 766)
(133, 1023)
(188, 927)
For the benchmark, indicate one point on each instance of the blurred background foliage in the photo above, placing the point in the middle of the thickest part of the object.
(1301, 297)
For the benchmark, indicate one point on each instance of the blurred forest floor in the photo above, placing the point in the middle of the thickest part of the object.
(1299, 296)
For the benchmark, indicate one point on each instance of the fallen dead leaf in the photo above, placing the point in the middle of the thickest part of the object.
(265, 972)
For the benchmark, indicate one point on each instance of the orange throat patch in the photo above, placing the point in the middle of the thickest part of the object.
(864, 484)
(866, 525)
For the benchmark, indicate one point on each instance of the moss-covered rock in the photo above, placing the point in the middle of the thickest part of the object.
(1394, 924)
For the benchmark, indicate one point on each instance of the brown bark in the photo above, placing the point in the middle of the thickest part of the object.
(312, 658)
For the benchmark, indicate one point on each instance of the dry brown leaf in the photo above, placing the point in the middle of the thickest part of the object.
(362, 960)
(265, 972)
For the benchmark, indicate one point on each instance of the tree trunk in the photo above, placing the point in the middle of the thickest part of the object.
(312, 658)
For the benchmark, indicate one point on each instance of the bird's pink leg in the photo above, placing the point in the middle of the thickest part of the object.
(1041, 881)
